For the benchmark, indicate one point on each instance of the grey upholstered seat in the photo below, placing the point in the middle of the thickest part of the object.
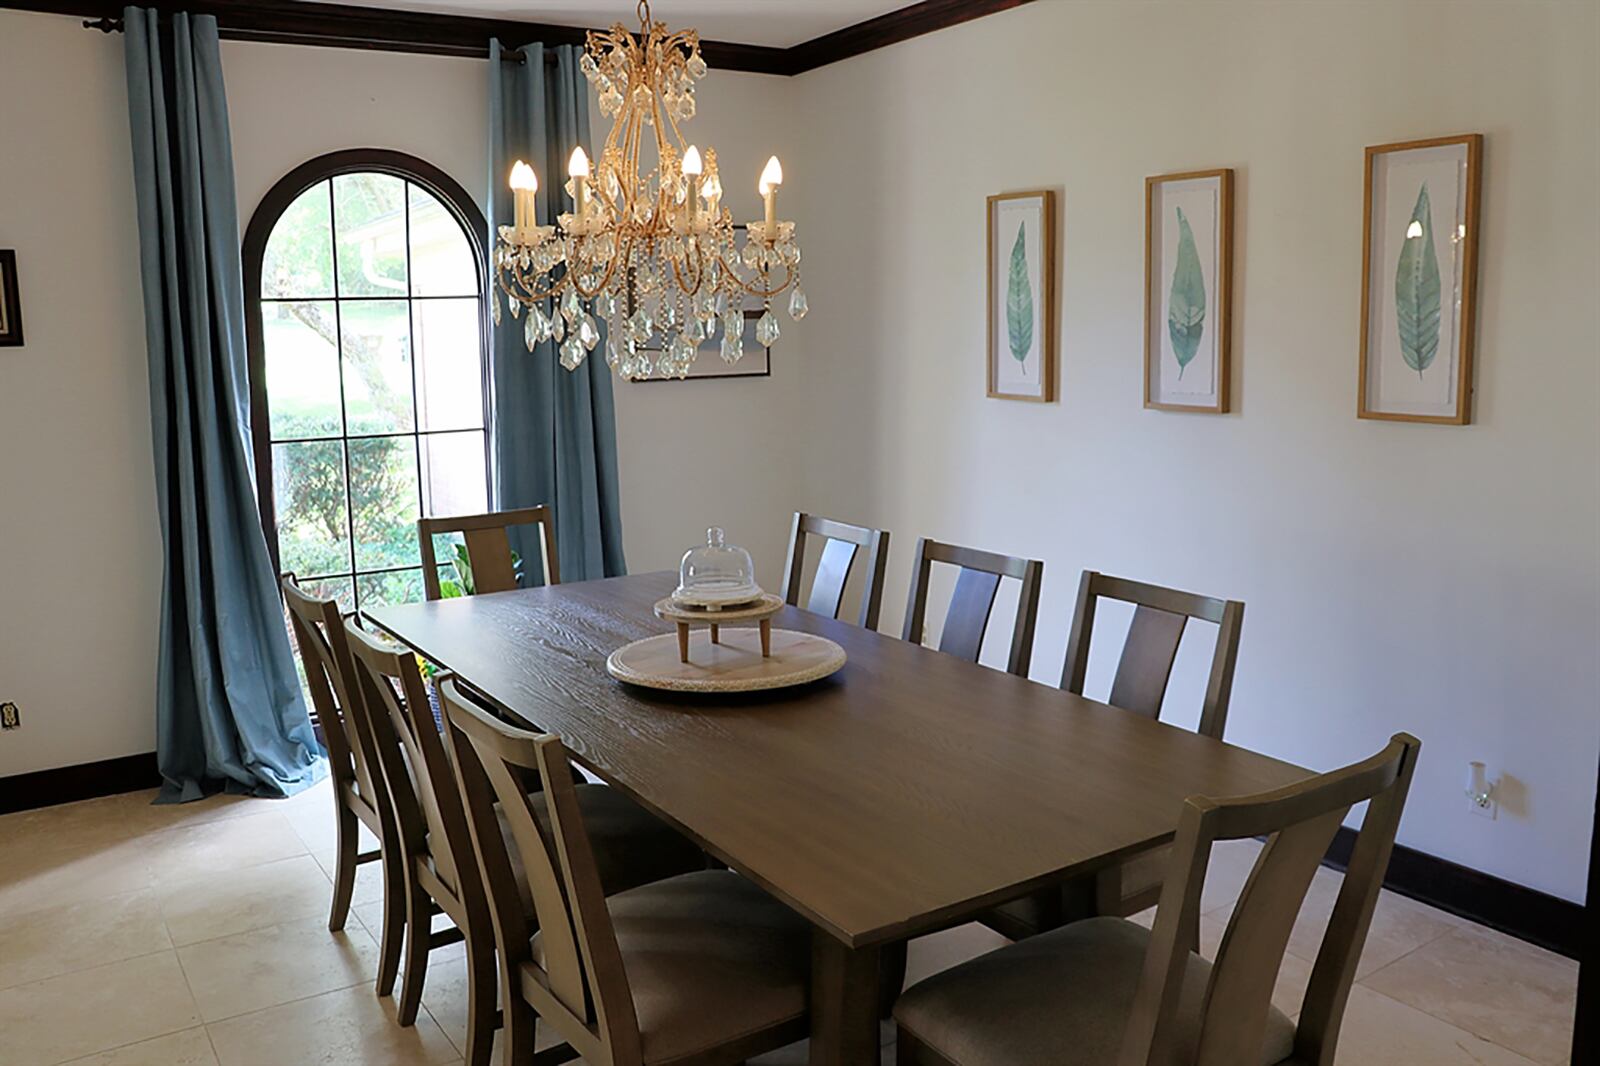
(1141, 875)
(707, 955)
(1061, 998)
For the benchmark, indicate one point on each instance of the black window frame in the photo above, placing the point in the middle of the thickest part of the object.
(264, 220)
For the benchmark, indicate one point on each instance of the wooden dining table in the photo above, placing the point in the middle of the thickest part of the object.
(905, 794)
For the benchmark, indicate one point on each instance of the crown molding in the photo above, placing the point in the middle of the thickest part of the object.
(384, 29)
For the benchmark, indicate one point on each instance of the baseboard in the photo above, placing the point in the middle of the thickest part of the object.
(1525, 913)
(66, 784)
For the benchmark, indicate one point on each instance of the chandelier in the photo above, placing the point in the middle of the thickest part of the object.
(652, 252)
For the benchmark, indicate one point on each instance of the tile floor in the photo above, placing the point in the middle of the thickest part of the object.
(133, 935)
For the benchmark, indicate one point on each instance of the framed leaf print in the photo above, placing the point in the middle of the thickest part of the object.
(1188, 290)
(1419, 278)
(1022, 295)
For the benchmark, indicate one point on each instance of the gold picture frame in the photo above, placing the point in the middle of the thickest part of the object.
(1029, 267)
(1410, 185)
(1188, 253)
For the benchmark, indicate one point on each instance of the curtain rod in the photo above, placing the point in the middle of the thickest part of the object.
(110, 24)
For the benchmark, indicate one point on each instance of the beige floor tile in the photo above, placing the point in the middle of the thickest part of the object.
(1379, 1031)
(370, 916)
(349, 1027)
(82, 1013)
(1499, 988)
(1228, 870)
(192, 1047)
(317, 827)
(50, 876)
(369, 878)
(114, 819)
(237, 901)
(57, 940)
(214, 847)
(1399, 925)
(267, 967)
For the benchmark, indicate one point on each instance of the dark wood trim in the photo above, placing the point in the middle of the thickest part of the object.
(67, 784)
(880, 32)
(384, 29)
(272, 206)
(1586, 1034)
(1525, 913)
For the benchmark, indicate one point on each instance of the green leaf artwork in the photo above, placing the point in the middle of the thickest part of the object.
(1416, 289)
(1019, 299)
(1186, 310)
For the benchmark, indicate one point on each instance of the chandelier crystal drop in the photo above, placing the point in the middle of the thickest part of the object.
(651, 252)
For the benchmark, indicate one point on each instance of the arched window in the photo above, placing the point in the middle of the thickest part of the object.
(364, 280)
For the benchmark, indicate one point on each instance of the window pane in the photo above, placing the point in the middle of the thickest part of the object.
(442, 263)
(376, 335)
(308, 494)
(454, 478)
(302, 369)
(383, 493)
(298, 262)
(341, 589)
(400, 586)
(369, 213)
(449, 364)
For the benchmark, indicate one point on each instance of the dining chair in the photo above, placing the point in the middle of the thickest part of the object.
(841, 543)
(1108, 992)
(1160, 616)
(967, 617)
(358, 786)
(440, 866)
(488, 547)
(703, 968)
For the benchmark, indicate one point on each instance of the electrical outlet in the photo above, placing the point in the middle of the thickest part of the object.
(1488, 807)
(10, 717)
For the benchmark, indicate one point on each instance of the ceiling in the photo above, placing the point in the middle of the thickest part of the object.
(777, 23)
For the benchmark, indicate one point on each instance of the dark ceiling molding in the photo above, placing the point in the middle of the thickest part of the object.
(383, 29)
(896, 26)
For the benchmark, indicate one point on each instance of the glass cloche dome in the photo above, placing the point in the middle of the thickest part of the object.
(717, 574)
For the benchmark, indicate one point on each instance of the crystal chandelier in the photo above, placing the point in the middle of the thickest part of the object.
(652, 252)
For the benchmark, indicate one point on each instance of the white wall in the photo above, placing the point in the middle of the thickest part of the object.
(1436, 579)
(78, 526)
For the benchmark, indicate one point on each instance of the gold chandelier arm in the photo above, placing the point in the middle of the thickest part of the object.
(750, 288)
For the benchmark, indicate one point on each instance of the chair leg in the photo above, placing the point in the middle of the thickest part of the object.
(392, 938)
(419, 940)
(344, 867)
(482, 1000)
(519, 1037)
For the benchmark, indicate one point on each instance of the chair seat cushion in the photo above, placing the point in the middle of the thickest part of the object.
(1039, 912)
(1058, 999)
(709, 958)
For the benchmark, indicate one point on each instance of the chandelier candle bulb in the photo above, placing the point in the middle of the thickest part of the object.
(524, 184)
(692, 169)
(771, 178)
(578, 171)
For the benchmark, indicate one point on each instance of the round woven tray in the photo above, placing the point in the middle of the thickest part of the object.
(733, 665)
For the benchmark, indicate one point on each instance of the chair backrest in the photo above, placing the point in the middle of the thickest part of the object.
(1299, 823)
(325, 656)
(488, 547)
(580, 987)
(421, 782)
(842, 542)
(973, 599)
(1159, 617)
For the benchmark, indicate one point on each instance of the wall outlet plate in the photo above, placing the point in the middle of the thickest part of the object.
(10, 716)
(1489, 810)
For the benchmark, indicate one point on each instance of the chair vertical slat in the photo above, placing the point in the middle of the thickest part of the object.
(843, 543)
(972, 601)
(833, 570)
(1147, 657)
(489, 551)
(968, 616)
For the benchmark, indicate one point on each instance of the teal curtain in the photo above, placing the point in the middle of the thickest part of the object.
(555, 430)
(229, 710)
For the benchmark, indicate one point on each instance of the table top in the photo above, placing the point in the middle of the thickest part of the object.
(907, 791)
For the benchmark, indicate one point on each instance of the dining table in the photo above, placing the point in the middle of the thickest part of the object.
(907, 793)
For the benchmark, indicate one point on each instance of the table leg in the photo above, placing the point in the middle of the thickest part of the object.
(683, 643)
(845, 997)
(766, 638)
(716, 634)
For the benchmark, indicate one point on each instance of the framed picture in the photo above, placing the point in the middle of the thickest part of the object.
(708, 363)
(10, 301)
(1419, 279)
(1022, 295)
(1188, 290)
